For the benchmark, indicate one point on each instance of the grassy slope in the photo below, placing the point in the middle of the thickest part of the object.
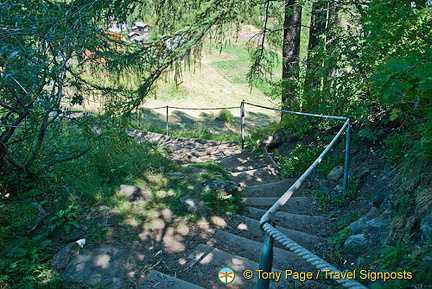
(217, 80)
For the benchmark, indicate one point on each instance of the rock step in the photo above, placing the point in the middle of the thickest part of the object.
(159, 280)
(188, 149)
(162, 139)
(316, 225)
(256, 176)
(250, 249)
(243, 162)
(273, 189)
(298, 205)
(251, 229)
(207, 261)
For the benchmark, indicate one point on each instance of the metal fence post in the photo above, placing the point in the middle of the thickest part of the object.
(167, 125)
(242, 124)
(266, 261)
(347, 155)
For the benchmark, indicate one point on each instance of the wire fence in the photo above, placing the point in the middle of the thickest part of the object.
(168, 109)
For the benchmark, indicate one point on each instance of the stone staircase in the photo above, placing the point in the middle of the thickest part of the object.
(237, 239)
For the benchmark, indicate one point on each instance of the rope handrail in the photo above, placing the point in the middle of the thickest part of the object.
(319, 263)
(298, 113)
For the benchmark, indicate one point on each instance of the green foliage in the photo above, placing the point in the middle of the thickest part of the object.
(340, 199)
(257, 133)
(35, 64)
(377, 70)
(404, 256)
(204, 132)
(214, 167)
(322, 199)
(25, 264)
(114, 158)
(222, 203)
(67, 190)
(298, 159)
(65, 219)
(339, 239)
(226, 116)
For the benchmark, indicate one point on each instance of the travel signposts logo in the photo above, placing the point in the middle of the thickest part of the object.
(226, 275)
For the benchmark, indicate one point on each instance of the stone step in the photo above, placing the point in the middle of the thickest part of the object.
(295, 205)
(159, 280)
(243, 162)
(162, 139)
(188, 149)
(250, 249)
(273, 189)
(316, 225)
(256, 176)
(206, 261)
(251, 229)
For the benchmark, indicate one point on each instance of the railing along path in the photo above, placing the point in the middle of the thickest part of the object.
(267, 222)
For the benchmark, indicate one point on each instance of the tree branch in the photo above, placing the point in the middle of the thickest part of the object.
(5, 153)
(66, 159)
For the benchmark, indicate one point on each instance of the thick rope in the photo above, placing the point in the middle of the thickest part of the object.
(309, 256)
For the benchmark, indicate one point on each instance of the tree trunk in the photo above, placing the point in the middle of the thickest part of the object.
(291, 51)
(318, 22)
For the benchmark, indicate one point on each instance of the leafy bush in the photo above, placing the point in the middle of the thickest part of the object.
(226, 116)
(65, 219)
(404, 256)
(25, 265)
(298, 159)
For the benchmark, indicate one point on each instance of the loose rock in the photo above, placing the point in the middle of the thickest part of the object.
(103, 266)
(356, 242)
(222, 187)
(62, 258)
(335, 174)
(135, 194)
(194, 206)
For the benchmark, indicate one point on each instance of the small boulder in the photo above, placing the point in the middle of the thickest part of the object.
(335, 174)
(135, 194)
(194, 206)
(338, 190)
(271, 142)
(360, 225)
(324, 187)
(221, 186)
(374, 227)
(62, 258)
(103, 267)
(356, 242)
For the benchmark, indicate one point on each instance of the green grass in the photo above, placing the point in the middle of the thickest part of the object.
(235, 70)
